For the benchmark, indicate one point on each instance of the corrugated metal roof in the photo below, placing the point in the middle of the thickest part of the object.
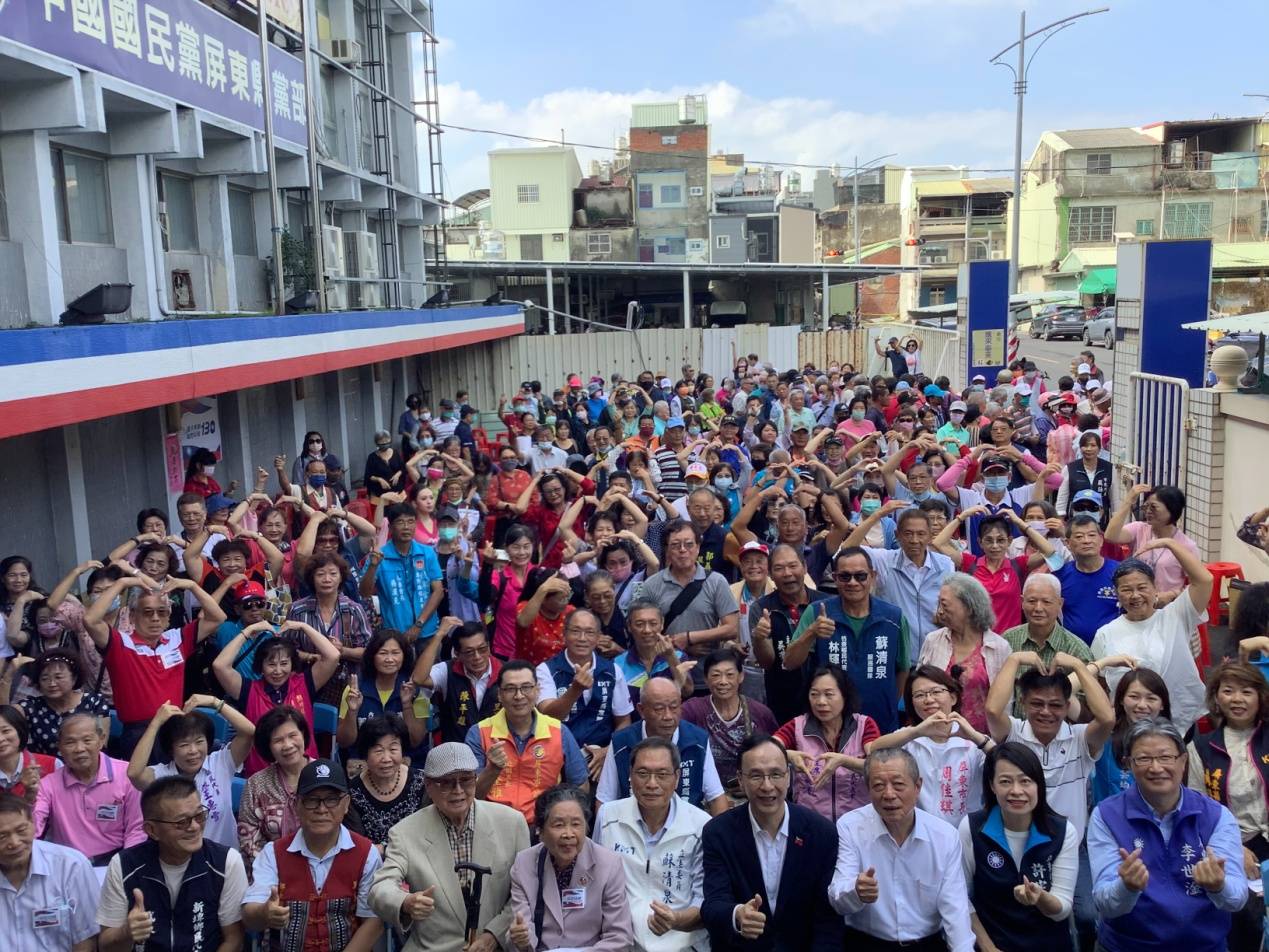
(1226, 256)
(1257, 323)
(1117, 138)
(978, 186)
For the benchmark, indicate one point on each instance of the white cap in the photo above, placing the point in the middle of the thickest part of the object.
(1022, 388)
(1084, 369)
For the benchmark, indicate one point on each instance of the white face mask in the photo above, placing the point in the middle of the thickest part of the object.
(209, 470)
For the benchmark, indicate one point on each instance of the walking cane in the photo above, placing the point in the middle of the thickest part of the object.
(471, 896)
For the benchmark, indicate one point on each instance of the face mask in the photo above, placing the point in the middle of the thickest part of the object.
(857, 415)
(520, 408)
(759, 464)
(1039, 527)
(383, 447)
(922, 496)
(544, 446)
(427, 415)
(550, 420)
(936, 472)
(1030, 375)
(905, 426)
(426, 442)
(447, 416)
(49, 629)
(581, 416)
(868, 506)
(317, 481)
(507, 465)
(435, 473)
(723, 482)
(448, 533)
(1025, 401)
(1095, 513)
(996, 484)
(693, 431)
(957, 416)
(208, 470)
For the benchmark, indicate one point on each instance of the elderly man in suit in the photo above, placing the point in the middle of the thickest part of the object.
(418, 888)
(768, 865)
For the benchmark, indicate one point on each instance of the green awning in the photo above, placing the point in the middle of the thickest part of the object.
(1098, 281)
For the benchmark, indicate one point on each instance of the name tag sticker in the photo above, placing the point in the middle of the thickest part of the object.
(573, 899)
(107, 812)
(46, 918)
(171, 659)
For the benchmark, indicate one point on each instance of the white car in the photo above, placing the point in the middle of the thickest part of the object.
(1101, 329)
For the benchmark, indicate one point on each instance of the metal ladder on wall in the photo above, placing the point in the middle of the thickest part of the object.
(438, 265)
(375, 65)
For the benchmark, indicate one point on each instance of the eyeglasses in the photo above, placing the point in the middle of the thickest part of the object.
(758, 779)
(154, 612)
(187, 822)
(643, 776)
(859, 577)
(473, 652)
(314, 442)
(517, 689)
(930, 694)
(321, 803)
(680, 546)
(1163, 760)
(253, 604)
(454, 782)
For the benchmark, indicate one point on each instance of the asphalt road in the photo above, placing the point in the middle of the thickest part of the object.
(1054, 357)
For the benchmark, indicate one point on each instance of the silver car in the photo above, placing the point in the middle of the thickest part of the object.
(1101, 329)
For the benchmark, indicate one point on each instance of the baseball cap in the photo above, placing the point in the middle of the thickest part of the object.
(901, 386)
(322, 773)
(997, 462)
(934, 390)
(753, 545)
(729, 421)
(445, 759)
(217, 502)
(1084, 369)
(978, 378)
(833, 441)
(249, 589)
(673, 421)
(697, 470)
(1022, 388)
(574, 380)
(1051, 398)
(1088, 495)
(447, 512)
(594, 387)
(958, 405)
(800, 425)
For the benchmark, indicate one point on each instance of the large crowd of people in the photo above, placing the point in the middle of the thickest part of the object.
(796, 659)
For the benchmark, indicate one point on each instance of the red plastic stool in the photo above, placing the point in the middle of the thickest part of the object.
(1204, 659)
(1219, 602)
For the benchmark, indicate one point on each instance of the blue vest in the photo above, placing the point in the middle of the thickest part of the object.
(693, 747)
(591, 723)
(194, 924)
(1010, 924)
(371, 706)
(871, 658)
(1173, 912)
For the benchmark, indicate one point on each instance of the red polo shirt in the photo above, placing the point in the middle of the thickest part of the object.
(1004, 587)
(145, 676)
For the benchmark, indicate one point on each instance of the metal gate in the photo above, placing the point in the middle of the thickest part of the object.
(1159, 429)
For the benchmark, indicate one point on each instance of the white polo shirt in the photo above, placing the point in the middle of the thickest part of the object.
(1067, 767)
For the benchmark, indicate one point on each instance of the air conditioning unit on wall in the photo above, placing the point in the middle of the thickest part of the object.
(347, 52)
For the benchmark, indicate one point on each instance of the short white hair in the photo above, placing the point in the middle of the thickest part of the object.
(1045, 579)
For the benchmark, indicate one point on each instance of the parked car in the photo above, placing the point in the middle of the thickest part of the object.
(1058, 320)
(1101, 329)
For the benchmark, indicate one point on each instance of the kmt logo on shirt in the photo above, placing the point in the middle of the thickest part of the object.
(995, 860)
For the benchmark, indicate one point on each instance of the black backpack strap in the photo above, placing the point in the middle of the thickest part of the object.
(680, 603)
(539, 907)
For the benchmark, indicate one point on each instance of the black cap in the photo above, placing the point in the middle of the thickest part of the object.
(321, 773)
(447, 512)
(1002, 462)
(729, 421)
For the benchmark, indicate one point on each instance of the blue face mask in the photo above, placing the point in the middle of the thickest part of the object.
(723, 482)
(448, 534)
(317, 481)
(922, 497)
(693, 431)
(868, 506)
(996, 484)
(550, 419)
(426, 441)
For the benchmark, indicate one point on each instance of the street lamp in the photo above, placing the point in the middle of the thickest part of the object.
(1020, 88)
(854, 214)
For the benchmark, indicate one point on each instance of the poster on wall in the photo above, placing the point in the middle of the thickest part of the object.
(200, 428)
(173, 464)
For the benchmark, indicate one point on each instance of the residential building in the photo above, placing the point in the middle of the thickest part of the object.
(1085, 190)
(751, 207)
(531, 194)
(135, 163)
(669, 162)
(603, 217)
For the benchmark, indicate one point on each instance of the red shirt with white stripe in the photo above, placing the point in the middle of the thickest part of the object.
(146, 675)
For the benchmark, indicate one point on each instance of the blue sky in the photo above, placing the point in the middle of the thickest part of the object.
(818, 81)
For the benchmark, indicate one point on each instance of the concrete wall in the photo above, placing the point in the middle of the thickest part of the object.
(733, 227)
(553, 170)
(86, 266)
(14, 309)
(199, 271)
(249, 280)
(876, 223)
(797, 234)
(620, 239)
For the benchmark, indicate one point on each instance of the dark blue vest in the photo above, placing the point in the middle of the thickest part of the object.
(693, 747)
(1173, 912)
(591, 723)
(871, 658)
(193, 925)
(1010, 924)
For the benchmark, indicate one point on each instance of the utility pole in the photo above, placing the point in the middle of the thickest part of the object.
(275, 200)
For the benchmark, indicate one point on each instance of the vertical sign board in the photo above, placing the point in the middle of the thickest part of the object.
(1176, 289)
(986, 327)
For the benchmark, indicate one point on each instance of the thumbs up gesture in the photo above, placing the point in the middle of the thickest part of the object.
(750, 920)
(823, 625)
(866, 885)
(584, 677)
(663, 918)
(519, 933)
(419, 905)
(140, 922)
(762, 629)
(277, 913)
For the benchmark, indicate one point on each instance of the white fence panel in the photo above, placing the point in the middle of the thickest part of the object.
(1159, 429)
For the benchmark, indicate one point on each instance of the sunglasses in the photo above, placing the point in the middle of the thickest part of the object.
(859, 577)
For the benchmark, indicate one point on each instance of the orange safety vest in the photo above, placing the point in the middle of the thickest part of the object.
(528, 773)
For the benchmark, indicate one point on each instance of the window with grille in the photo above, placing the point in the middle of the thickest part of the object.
(526, 194)
(1145, 227)
(530, 247)
(1097, 163)
(722, 241)
(669, 140)
(645, 196)
(1091, 223)
(599, 244)
(1187, 220)
(671, 195)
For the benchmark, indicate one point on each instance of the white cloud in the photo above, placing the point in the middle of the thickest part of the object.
(814, 131)
(874, 16)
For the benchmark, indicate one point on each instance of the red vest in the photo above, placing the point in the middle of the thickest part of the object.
(325, 920)
(259, 704)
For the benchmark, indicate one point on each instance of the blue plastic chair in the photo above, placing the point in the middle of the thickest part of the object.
(326, 721)
(223, 732)
(116, 726)
(1263, 665)
(239, 785)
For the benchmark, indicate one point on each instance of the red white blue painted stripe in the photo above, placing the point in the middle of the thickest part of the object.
(53, 376)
